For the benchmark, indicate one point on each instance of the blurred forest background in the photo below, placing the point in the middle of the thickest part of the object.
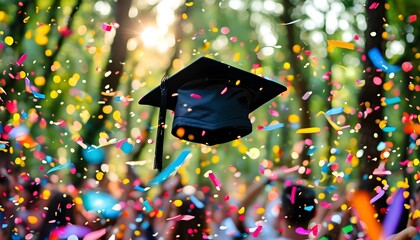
(73, 71)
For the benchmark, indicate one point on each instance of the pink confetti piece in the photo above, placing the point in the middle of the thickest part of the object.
(106, 27)
(374, 5)
(21, 59)
(303, 231)
(381, 172)
(273, 113)
(215, 181)
(181, 218)
(196, 96)
(292, 169)
(306, 95)
(224, 91)
(95, 235)
(257, 231)
(326, 205)
(349, 157)
(293, 193)
(377, 196)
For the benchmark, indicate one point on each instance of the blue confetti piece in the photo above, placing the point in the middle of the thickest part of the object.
(389, 129)
(138, 188)
(274, 126)
(59, 167)
(311, 150)
(196, 202)
(173, 167)
(376, 57)
(147, 206)
(394, 100)
(381, 146)
(334, 111)
(49, 159)
(127, 147)
(308, 208)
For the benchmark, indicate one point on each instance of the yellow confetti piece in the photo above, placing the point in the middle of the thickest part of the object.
(241, 210)
(32, 219)
(189, 4)
(177, 203)
(309, 130)
(8, 40)
(340, 44)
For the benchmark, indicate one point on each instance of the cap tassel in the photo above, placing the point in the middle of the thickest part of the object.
(161, 127)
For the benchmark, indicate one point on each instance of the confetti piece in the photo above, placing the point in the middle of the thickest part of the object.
(394, 100)
(412, 18)
(173, 167)
(302, 231)
(32, 89)
(215, 181)
(273, 113)
(147, 206)
(407, 66)
(340, 44)
(106, 27)
(309, 130)
(306, 95)
(141, 189)
(393, 215)
(377, 196)
(376, 57)
(292, 195)
(197, 203)
(196, 96)
(334, 111)
(21, 59)
(374, 5)
(389, 129)
(95, 235)
(292, 22)
(257, 231)
(181, 218)
(347, 229)
(292, 169)
(361, 203)
(274, 126)
(59, 167)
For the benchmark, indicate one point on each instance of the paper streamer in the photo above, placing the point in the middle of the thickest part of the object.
(32, 89)
(366, 213)
(393, 216)
(181, 218)
(173, 167)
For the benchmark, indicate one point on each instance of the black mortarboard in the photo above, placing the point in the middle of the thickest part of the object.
(211, 102)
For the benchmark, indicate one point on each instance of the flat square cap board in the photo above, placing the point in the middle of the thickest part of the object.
(211, 101)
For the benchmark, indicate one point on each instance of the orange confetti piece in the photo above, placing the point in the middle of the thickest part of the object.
(361, 203)
(340, 44)
(309, 130)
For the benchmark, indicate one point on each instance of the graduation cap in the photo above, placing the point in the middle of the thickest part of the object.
(211, 102)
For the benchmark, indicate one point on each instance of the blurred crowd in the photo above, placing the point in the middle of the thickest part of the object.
(277, 205)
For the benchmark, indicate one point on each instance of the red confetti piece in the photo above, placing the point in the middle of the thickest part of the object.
(106, 27)
(412, 18)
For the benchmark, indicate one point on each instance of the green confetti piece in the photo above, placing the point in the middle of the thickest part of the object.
(347, 229)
